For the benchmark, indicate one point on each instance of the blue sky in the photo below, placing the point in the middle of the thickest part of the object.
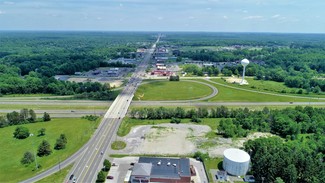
(302, 16)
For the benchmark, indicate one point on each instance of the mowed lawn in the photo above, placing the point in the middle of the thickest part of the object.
(228, 94)
(270, 87)
(168, 90)
(77, 130)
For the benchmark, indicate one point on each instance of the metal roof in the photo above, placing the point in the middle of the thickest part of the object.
(236, 155)
(172, 168)
(142, 169)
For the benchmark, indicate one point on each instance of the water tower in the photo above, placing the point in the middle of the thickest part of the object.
(244, 63)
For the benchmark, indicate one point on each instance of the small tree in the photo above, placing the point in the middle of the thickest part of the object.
(23, 114)
(32, 116)
(60, 142)
(41, 132)
(196, 119)
(44, 149)
(101, 176)
(28, 158)
(175, 120)
(21, 132)
(46, 117)
(107, 165)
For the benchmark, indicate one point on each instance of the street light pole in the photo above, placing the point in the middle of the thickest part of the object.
(34, 152)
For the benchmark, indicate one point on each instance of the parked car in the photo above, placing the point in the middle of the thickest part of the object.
(110, 177)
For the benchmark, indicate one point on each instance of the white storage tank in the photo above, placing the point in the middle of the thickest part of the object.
(236, 161)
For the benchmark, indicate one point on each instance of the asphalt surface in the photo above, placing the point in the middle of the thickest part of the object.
(89, 159)
(91, 162)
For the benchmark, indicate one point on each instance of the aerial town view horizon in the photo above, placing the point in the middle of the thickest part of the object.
(181, 92)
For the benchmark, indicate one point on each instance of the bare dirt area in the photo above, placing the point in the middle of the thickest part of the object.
(178, 139)
(234, 80)
(112, 82)
(163, 139)
(222, 144)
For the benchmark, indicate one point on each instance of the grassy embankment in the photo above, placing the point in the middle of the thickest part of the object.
(77, 130)
(53, 107)
(57, 177)
(228, 94)
(271, 87)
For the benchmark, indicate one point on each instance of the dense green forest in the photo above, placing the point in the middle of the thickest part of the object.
(50, 53)
(298, 60)
(28, 60)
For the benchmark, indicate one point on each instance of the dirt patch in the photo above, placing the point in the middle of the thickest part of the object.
(163, 139)
(181, 139)
(112, 83)
(234, 80)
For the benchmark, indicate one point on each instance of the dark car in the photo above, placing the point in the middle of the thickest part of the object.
(110, 177)
(132, 163)
(71, 177)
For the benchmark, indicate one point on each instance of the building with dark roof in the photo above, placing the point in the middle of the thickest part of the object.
(169, 170)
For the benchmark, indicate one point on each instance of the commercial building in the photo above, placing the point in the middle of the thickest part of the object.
(167, 170)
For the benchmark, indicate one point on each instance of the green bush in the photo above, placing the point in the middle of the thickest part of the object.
(21, 132)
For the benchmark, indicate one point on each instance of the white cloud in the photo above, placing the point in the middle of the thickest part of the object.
(160, 18)
(8, 2)
(225, 17)
(121, 5)
(276, 16)
(252, 17)
(2, 12)
(99, 18)
(191, 17)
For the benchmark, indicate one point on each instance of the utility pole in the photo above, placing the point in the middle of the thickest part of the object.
(34, 151)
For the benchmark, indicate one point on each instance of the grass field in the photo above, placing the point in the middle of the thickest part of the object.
(57, 177)
(227, 94)
(30, 95)
(166, 90)
(78, 131)
(118, 145)
(270, 86)
(53, 107)
(211, 163)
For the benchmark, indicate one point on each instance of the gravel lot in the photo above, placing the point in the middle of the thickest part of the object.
(177, 139)
(163, 139)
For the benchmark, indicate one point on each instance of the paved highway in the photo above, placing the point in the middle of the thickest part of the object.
(89, 159)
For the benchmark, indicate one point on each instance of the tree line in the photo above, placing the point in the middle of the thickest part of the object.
(23, 117)
(287, 123)
(34, 83)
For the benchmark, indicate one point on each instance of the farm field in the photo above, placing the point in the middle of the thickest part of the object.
(166, 90)
(77, 130)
